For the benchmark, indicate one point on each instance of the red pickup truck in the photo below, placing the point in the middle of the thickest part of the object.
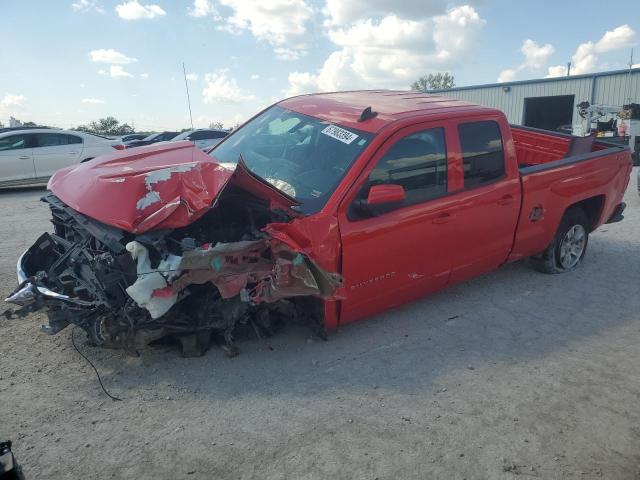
(325, 208)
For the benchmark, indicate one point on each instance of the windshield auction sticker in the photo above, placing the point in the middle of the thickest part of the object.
(345, 136)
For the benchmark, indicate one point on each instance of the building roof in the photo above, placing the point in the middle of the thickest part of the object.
(345, 108)
(540, 80)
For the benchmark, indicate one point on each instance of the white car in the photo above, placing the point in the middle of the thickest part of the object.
(32, 156)
(204, 138)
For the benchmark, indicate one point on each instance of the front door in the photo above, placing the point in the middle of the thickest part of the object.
(16, 159)
(394, 253)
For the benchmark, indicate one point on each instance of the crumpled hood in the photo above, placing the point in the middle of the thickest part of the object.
(167, 185)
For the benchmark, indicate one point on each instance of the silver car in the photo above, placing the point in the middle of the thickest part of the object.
(32, 156)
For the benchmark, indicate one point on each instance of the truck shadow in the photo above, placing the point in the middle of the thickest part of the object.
(511, 316)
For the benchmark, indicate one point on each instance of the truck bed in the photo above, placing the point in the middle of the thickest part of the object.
(559, 170)
(537, 147)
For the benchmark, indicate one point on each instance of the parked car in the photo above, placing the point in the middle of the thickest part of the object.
(204, 138)
(153, 138)
(133, 136)
(324, 208)
(32, 156)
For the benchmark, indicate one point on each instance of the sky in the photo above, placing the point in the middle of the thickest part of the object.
(67, 62)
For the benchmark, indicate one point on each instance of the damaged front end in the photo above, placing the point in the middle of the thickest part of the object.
(215, 276)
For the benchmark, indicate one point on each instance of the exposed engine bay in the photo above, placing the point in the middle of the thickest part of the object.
(221, 276)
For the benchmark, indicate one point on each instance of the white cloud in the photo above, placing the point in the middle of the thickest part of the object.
(340, 12)
(585, 59)
(220, 88)
(202, 8)
(96, 101)
(536, 58)
(12, 100)
(102, 72)
(255, 76)
(117, 71)
(135, 11)
(620, 37)
(392, 52)
(86, 6)
(144, 76)
(281, 23)
(192, 77)
(635, 65)
(110, 56)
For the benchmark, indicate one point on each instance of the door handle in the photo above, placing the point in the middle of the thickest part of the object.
(24, 157)
(506, 200)
(443, 218)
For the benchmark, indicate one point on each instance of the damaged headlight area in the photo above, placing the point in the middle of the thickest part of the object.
(218, 277)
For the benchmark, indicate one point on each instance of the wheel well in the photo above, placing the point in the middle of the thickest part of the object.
(592, 207)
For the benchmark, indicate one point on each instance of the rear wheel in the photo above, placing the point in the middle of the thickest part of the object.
(568, 247)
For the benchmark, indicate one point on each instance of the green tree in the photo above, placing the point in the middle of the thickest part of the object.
(216, 125)
(106, 126)
(432, 81)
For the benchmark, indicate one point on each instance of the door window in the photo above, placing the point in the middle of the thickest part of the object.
(13, 142)
(56, 139)
(482, 153)
(202, 135)
(418, 163)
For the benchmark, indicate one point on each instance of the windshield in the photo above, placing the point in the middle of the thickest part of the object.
(302, 156)
(152, 136)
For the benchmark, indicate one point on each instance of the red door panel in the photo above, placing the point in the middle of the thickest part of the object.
(403, 254)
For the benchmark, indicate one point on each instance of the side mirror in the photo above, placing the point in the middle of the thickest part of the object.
(188, 138)
(383, 194)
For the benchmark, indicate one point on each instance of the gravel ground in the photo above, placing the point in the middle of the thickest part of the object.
(513, 374)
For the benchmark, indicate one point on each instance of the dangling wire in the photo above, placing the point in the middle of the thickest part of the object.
(73, 342)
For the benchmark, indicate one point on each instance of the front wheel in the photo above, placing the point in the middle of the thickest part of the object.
(568, 247)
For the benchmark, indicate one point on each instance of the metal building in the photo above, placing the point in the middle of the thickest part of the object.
(550, 103)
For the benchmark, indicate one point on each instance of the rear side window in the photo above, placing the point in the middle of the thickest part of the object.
(418, 163)
(482, 154)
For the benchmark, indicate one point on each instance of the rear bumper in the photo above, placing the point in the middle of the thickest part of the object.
(617, 215)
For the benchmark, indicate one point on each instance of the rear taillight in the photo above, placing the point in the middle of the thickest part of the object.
(119, 146)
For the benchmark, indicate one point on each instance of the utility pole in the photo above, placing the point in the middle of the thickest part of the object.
(568, 69)
(186, 85)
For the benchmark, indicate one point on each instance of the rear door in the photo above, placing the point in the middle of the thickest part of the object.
(488, 206)
(16, 158)
(54, 151)
(399, 252)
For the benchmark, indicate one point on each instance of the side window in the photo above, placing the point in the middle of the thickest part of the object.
(13, 142)
(72, 139)
(50, 139)
(202, 135)
(418, 163)
(219, 134)
(482, 153)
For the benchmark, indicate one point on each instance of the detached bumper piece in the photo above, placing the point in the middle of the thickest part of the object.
(222, 276)
(617, 215)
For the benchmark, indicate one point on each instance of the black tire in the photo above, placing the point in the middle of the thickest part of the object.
(566, 251)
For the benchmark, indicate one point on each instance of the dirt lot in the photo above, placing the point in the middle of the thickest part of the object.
(513, 374)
